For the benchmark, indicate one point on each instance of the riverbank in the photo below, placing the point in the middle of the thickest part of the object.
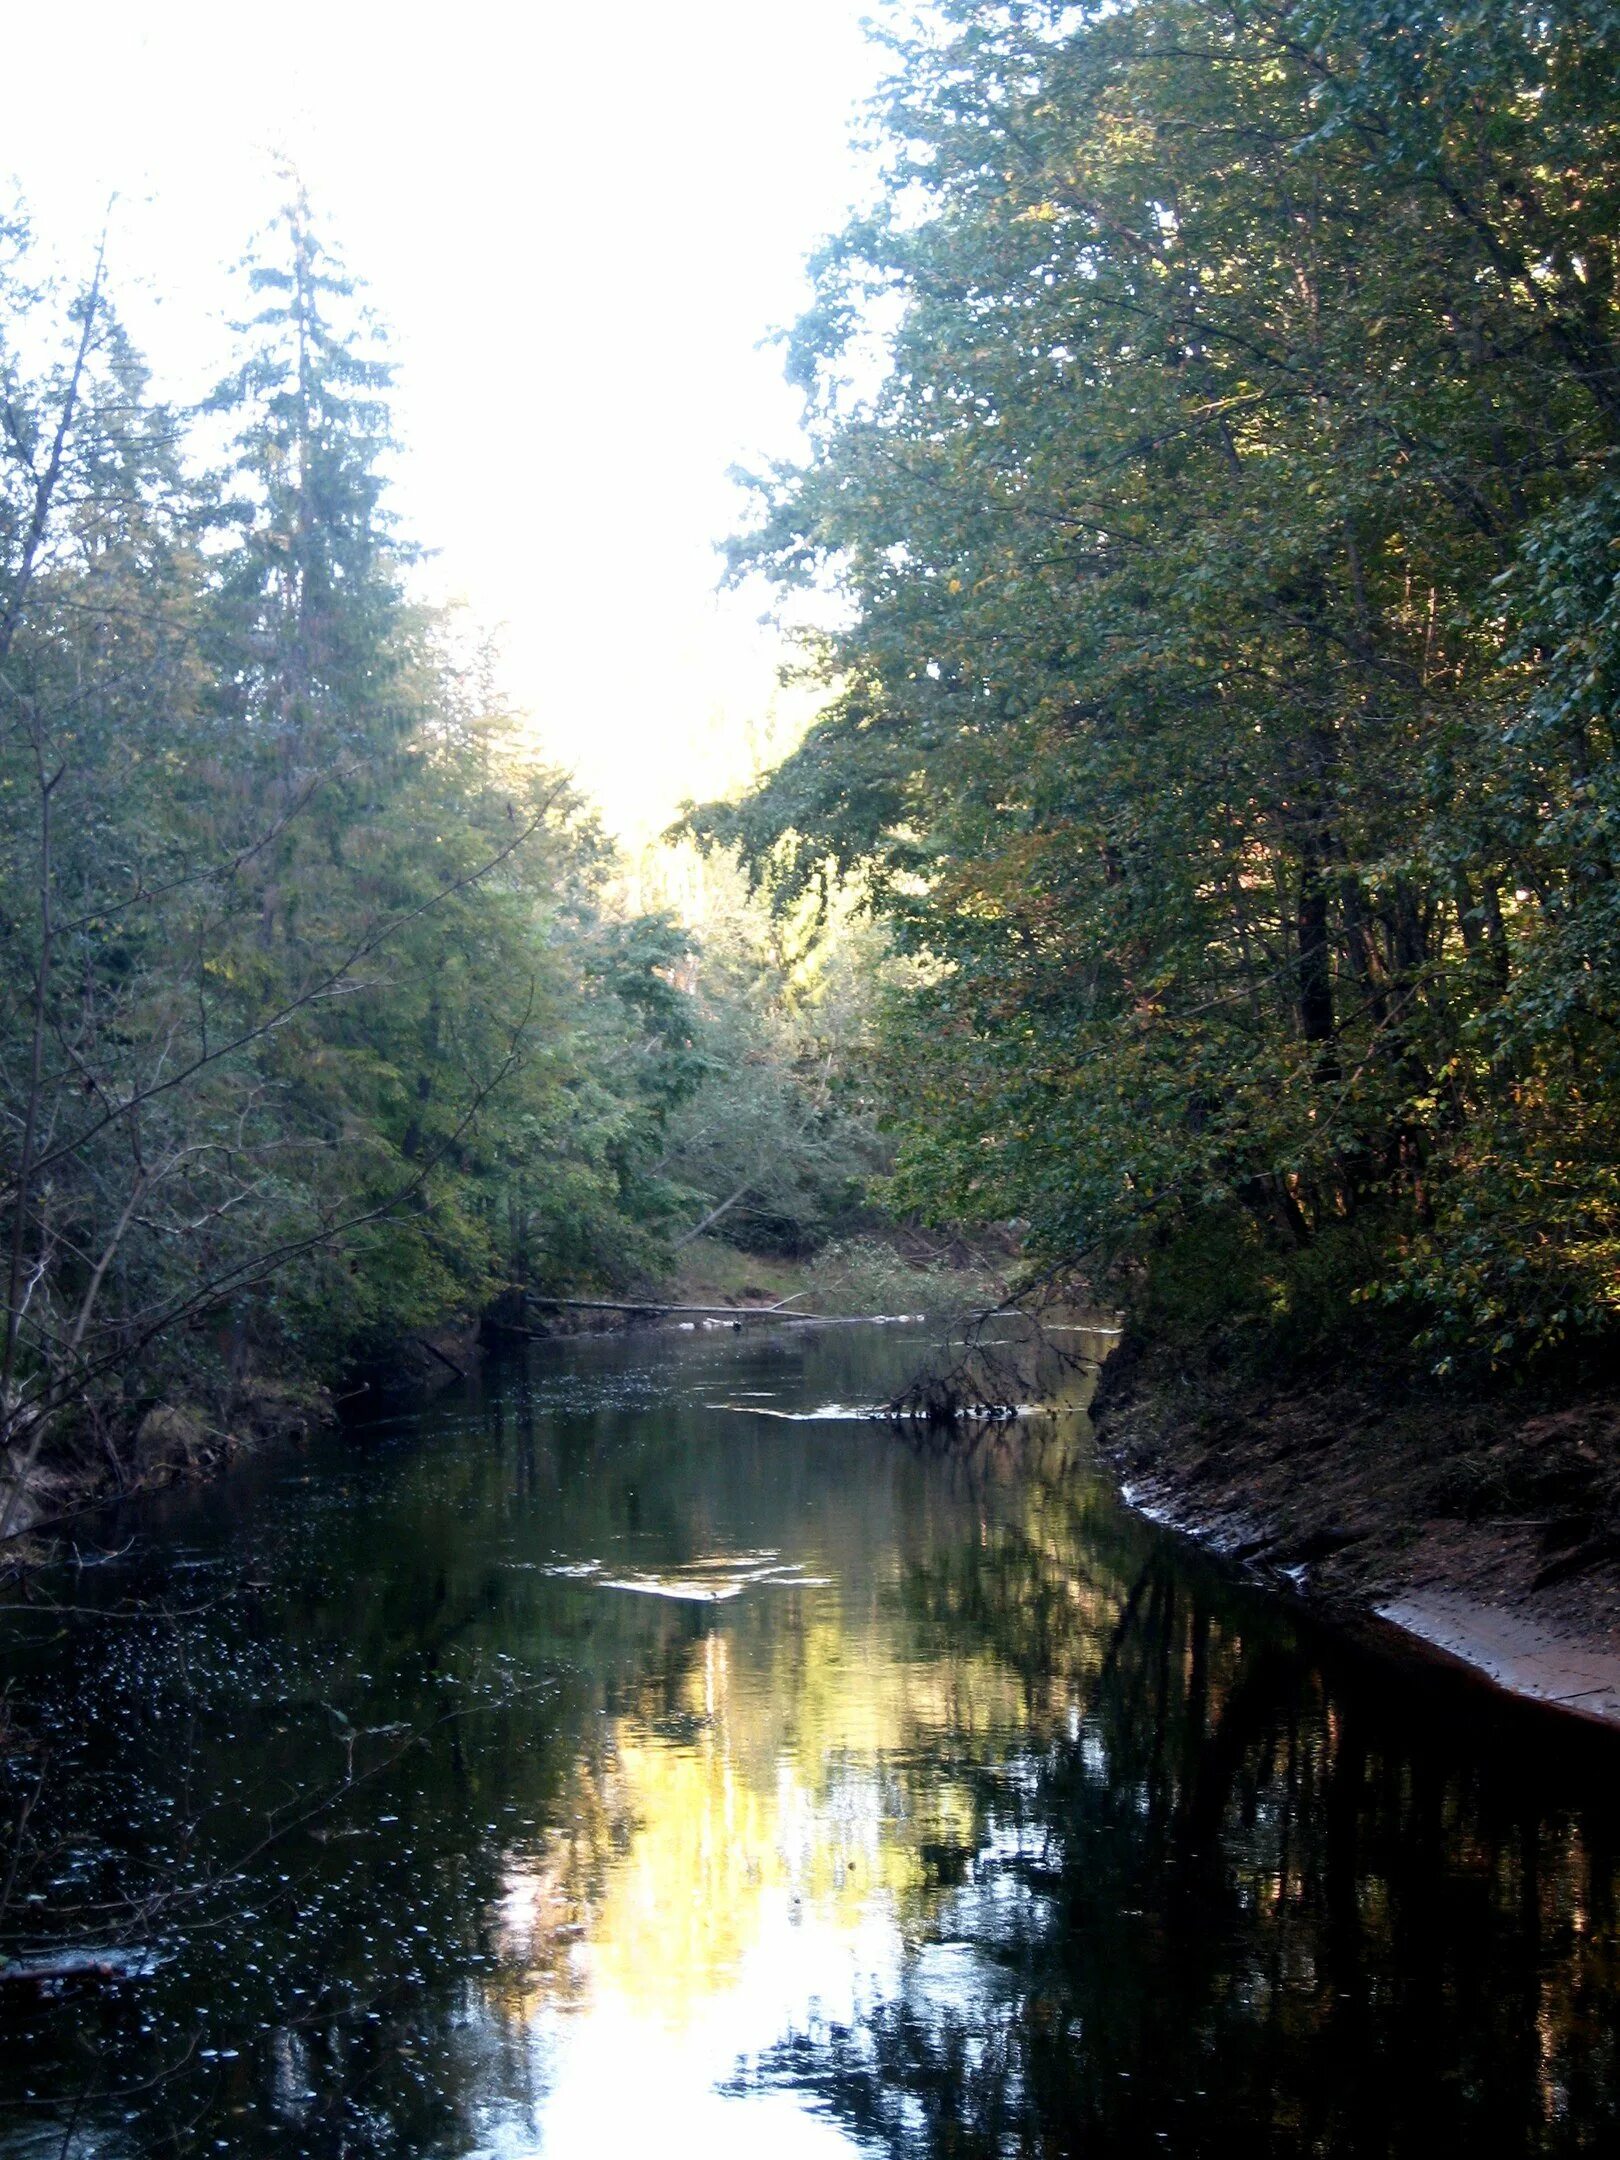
(595, 1717)
(1487, 1530)
(166, 1443)
(158, 1445)
(866, 1277)
(895, 1271)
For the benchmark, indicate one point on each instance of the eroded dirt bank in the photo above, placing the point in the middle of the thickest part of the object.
(1487, 1530)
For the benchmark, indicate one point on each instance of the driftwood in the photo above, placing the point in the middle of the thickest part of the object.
(647, 1305)
(433, 1350)
(55, 1970)
(648, 1309)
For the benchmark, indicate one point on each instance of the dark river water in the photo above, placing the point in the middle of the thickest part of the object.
(597, 1761)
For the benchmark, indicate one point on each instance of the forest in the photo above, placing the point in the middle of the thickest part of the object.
(324, 1024)
(1213, 438)
(937, 1454)
(1202, 870)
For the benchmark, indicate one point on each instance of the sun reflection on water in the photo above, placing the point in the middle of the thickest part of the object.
(976, 1818)
(742, 1864)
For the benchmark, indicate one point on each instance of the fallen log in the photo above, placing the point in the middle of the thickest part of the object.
(736, 1314)
(647, 1305)
(55, 1969)
(433, 1350)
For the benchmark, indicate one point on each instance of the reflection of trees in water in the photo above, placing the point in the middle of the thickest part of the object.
(1154, 1872)
(1227, 1905)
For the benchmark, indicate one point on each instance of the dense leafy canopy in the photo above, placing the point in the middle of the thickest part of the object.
(1225, 712)
(319, 1024)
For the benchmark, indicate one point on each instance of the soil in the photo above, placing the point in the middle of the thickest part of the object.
(1487, 1529)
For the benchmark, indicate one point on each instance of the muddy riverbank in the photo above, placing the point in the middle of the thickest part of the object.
(1489, 1531)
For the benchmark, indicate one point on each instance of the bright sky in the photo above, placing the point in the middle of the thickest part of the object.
(579, 223)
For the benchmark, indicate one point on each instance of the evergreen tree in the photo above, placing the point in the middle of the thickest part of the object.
(316, 1031)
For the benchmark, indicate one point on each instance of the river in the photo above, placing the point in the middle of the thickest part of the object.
(624, 1754)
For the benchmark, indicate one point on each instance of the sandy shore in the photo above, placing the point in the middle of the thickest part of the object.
(1487, 1531)
(1513, 1651)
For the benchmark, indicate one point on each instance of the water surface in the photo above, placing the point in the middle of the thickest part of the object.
(576, 1767)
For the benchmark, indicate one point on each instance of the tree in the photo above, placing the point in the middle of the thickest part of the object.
(774, 1146)
(1224, 546)
(307, 1043)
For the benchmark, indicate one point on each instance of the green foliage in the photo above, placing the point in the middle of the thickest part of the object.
(773, 1143)
(316, 1027)
(1224, 717)
(870, 1275)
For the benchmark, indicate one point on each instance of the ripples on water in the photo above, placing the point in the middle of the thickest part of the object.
(580, 1767)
